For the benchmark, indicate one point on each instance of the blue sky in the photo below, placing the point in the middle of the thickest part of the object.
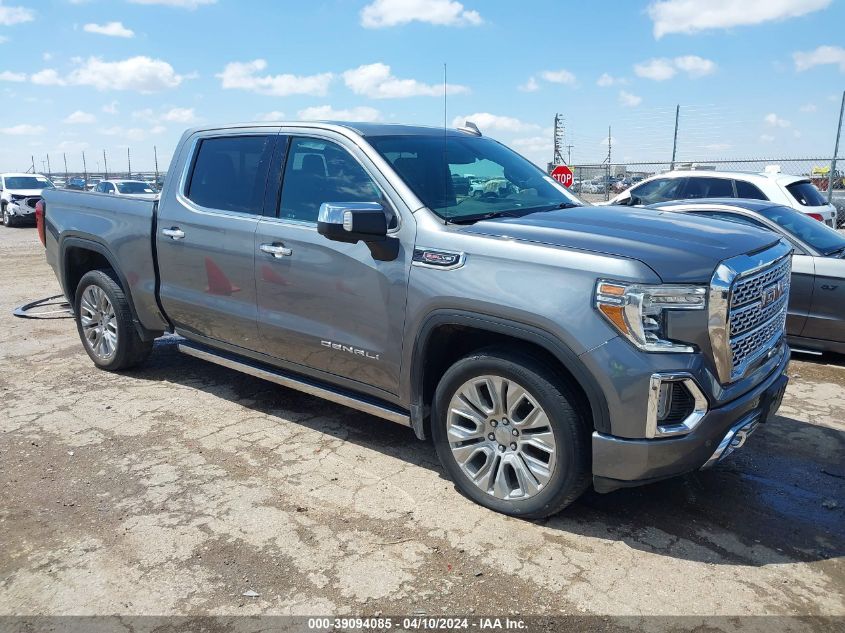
(754, 78)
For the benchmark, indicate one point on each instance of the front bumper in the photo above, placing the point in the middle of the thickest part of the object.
(20, 210)
(621, 462)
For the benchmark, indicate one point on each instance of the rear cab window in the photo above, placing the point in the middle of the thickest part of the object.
(806, 194)
(230, 173)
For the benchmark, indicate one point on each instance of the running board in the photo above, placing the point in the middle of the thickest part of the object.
(300, 384)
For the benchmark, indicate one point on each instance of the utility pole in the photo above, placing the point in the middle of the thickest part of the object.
(129, 162)
(49, 169)
(557, 158)
(155, 159)
(105, 165)
(32, 158)
(569, 154)
(835, 151)
(85, 169)
(65, 157)
(609, 158)
(675, 140)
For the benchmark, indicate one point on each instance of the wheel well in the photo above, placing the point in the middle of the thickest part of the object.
(448, 343)
(79, 261)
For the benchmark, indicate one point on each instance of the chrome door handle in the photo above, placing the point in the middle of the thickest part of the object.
(276, 250)
(174, 233)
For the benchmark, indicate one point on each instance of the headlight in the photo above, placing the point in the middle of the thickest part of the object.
(639, 311)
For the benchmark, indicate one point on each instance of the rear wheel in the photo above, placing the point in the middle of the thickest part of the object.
(104, 322)
(508, 432)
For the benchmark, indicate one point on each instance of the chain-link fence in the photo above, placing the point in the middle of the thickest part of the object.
(601, 182)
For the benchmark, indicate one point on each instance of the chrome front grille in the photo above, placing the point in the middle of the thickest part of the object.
(747, 309)
(757, 316)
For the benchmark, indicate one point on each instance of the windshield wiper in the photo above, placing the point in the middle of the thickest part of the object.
(471, 219)
(836, 251)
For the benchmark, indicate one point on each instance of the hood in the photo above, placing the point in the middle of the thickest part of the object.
(25, 192)
(679, 247)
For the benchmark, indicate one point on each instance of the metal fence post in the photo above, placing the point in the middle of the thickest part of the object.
(835, 152)
(675, 140)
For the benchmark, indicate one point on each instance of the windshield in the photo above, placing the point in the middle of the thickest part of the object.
(133, 187)
(821, 237)
(28, 182)
(469, 178)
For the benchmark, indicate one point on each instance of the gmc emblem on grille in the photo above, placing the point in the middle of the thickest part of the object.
(772, 293)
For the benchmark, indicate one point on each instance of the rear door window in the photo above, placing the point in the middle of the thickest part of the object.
(806, 194)
(230, 173)
(749, 191)
(702, 187)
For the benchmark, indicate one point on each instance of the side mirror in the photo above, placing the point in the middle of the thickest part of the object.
(352, 222)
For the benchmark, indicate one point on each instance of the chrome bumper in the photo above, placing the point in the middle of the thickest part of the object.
(734, 438)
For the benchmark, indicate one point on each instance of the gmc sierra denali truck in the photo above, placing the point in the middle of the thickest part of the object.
(439, 280)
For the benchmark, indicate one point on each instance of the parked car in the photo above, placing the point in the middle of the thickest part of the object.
(133, 188)
(18, 195)
(541, 344)
(792, 191)
(816, 319)
(76, 183)
(92, 183)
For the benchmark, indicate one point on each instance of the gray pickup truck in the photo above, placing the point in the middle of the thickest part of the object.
(439, 280)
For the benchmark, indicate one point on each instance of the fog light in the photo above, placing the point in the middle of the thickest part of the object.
(675, 405)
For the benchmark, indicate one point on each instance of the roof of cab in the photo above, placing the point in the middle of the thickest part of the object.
(361, 128)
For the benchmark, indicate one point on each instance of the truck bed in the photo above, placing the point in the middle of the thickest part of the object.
(121, 229)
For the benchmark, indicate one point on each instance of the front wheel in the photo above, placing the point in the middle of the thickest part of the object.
(507, 430)
(8, 220)
(104, 322)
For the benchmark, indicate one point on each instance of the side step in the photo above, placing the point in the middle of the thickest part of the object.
(246, 366)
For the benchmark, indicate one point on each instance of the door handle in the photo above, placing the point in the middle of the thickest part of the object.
(276, 249)
(174, 233)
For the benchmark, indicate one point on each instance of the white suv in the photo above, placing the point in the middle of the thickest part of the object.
(18, 195)
(791, 191)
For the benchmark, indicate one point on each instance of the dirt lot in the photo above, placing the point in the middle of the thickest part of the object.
(178, 487)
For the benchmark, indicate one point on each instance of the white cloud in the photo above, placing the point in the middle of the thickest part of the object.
(663, 68)
(775, 121)
(529, 86)
(606, 80)
(385, 13)
(157, 129)
(486, 121)
(3, 39)
(718, 147)
(275, 115)
(328, 113)
(182, 4)
(796, 133)
(658, 69)
(533, 144)
(179, 115)
(15, 15)
(71, 146)
(767, 138)
(7, 75)
(110, 108)
(691, 16)
(558, 76)
(242, 76)
(820, 56)
(142, 74)
(112, 29)
(629, 100)
(377, 82)
(132, 133)
(23, 129)
(808, 107)
(79, 117)
(695, 66)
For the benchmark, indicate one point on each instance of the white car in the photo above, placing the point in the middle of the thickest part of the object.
(130, 188)
(791, 191)
(19, 194)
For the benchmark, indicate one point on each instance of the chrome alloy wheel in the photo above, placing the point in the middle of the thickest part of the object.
(99, 325)
(501, 437)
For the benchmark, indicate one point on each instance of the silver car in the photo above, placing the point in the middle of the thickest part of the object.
(816, 318)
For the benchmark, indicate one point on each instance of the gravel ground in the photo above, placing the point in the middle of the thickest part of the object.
(178, 487)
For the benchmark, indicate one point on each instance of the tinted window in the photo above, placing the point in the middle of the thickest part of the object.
(230, 173)
(28, 182)
(320, 171)
(749, 191)
(709, 188)
(101, 188)
(130, 186)
(659, 190)
(806, 193)
(823, 238)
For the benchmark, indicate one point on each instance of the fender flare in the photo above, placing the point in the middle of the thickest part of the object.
(542, 338)
(100, 248)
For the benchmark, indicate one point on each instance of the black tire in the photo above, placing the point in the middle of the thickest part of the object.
(8, 220)
(130, 349)
(571, 475)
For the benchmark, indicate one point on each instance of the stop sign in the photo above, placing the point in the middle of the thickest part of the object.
(563, 175)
